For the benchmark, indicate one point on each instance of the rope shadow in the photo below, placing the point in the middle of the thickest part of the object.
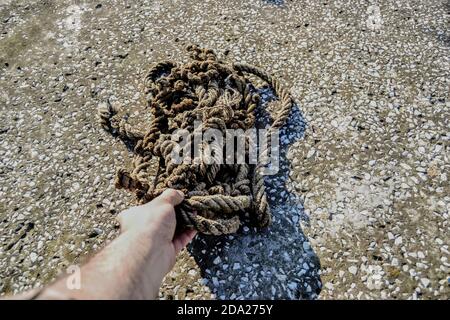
(275, 263)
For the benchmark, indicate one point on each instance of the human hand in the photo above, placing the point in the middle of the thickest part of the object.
(155, 222)
(134, 264)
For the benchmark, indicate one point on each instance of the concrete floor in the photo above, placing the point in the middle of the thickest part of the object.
(365, 179)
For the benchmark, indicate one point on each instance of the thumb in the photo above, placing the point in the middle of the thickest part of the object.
(171, 196)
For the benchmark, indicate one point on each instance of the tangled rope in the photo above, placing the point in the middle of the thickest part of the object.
(221, 96)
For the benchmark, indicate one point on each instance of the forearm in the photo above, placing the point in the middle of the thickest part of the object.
(128, 268)
(134, 264)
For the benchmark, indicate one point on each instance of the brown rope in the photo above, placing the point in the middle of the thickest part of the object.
(221, 96)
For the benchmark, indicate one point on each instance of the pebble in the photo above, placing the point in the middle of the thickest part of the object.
(352, 269)
(98, 231)
(33, 257)
(425, 282)
(192, 272)
(292, 285)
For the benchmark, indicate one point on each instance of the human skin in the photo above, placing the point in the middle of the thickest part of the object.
(134, 264)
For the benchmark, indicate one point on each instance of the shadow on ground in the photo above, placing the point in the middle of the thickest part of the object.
(276, 263)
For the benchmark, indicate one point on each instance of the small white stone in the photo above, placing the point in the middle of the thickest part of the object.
(192, 272)
(310, 153)
(292, 285)
(236, 266)
(353, 269)
(281, 277)
(306, 246)
(405, 166)
(398, 241)
(33, 257)
(217, 260)
(425, 282)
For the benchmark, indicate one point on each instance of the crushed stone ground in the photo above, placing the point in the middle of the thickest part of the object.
(361, 204)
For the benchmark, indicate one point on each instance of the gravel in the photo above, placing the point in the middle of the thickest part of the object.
(361, 205)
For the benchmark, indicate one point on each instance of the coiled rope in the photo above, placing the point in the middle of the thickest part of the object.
(221, 96)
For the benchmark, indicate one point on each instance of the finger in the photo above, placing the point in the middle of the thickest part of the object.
(180, 241)
(172, 196)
